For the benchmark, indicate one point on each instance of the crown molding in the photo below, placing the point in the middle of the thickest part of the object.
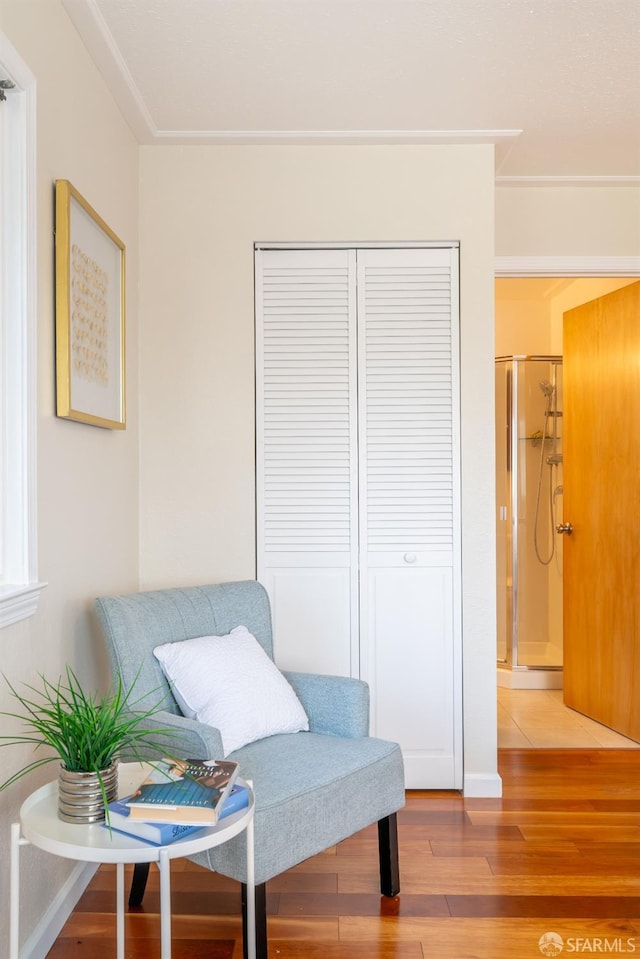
(567, 266)
(567, 181)
(87, 18)
(333, 137)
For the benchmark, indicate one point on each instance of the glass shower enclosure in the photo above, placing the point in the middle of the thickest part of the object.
(528, 508)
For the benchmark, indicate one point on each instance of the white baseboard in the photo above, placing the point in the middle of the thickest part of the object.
(529, 678)
(48, 928)
(480, 786)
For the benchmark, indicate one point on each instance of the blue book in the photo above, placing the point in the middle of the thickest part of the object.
(188, 792)
(162, 833)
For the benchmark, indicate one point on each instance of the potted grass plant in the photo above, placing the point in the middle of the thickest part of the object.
(87, 734)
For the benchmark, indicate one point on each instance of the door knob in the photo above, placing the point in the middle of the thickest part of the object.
(565, 528)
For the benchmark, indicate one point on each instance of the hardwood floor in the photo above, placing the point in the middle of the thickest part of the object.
(481, 879)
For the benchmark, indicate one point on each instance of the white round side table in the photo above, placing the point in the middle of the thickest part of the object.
(40, 826)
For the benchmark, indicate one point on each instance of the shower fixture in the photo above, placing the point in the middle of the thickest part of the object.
(553, 459)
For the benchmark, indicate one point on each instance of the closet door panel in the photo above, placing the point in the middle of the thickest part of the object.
(407, 401)
(411, 669)
(312, 618)
(307, 454)
(409, 514)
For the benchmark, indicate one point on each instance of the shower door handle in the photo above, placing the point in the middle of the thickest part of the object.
(564, 528)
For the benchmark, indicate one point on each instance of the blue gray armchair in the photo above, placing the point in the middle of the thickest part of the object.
(338, 779)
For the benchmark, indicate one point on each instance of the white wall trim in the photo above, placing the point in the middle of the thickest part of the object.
(18, 602)
(481, 786)
(331, 137)
(567, 266)
(567, 181)
(18, 412)
(50, 925)
(366, 245)
(91, 25)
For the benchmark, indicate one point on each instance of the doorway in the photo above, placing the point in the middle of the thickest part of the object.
(529, 319)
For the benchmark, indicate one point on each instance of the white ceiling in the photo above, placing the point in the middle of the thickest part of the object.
(554, 83)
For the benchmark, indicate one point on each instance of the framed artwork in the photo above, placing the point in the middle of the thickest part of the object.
(90, 314)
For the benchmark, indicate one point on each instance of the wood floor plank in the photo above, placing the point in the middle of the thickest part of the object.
(609, 852)
(141, 949)
(536, 885)
(288, 949)
(603, 819)
(352, 904)
(531, 884)
(510, 803)
(467, 830)
(580, 832)
(566, 907)
(583, 866)
(481, 847)
(494, 938)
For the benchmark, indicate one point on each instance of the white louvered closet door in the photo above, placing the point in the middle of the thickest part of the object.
(408, 492)
(307, 541)
(357, 466)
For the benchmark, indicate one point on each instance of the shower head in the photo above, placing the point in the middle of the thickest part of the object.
(546, 387)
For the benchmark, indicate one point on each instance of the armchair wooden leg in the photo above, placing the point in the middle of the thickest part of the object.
(261, 921)
(138, 883)
(388, 851)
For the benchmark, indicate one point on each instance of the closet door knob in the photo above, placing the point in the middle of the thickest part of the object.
(410, 557)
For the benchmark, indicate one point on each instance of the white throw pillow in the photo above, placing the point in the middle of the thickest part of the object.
(230, 682)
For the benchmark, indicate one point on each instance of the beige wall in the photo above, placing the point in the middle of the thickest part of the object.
(87, 477)
(202, 209)
(522, 319)
(568, 221)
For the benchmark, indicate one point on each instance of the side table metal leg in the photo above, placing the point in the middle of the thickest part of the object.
(120, 909)
(165, 904)
(14, 893)
(251, 895)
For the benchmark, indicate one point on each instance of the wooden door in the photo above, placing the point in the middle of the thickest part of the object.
(602, 503)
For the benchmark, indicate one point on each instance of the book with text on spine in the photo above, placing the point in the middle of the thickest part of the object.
(162, 833)
(190, 792)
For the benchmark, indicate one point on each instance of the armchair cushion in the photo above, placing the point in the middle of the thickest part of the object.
(230, 683)
(312, 791)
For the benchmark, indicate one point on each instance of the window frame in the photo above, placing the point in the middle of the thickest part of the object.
(19, 586)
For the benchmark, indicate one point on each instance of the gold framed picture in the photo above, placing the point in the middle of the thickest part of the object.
(90, 314)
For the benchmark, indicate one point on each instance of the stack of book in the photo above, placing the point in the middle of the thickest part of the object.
(176, 798)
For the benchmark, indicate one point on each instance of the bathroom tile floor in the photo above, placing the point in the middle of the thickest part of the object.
(537, 718)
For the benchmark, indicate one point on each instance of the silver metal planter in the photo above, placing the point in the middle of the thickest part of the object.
(80, 797)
